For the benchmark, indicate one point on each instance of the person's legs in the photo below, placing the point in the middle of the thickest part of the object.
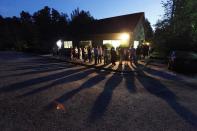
(84, 58)
(98, 59)
(130, 60)
(95, 60)
(121, 59)
(112, 63)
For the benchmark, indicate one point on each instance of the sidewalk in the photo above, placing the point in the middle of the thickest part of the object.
(124, 68)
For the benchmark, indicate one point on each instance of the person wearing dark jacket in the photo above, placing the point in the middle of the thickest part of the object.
(89, 54)
(95, 55)
(113, 56)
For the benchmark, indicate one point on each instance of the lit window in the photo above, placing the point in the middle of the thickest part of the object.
(68, 44)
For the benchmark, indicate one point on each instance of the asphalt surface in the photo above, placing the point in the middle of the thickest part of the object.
(37, 93)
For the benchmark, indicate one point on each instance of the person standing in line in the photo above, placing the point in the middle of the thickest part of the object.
(98, 61)
(141, 52)
(92, 52)
(144, 51)
(95, 55)
(147, 50)
(80, 54)
(72, 54)
(138, 53)
(76, 52)
(113, 56)
(105, 55)
(55, 51)
(121, 53)
(89, 55)
(132, 54)
(85, 54)
(100, 53)
(125, 56)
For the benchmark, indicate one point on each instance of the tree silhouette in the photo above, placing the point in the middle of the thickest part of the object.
(79, 20)
(148, 31)
(39, 32)
(178, 29)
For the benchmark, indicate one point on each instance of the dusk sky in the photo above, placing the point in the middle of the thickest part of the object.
(98, 8)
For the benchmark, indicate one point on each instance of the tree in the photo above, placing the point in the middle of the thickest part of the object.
(177, 30)
(79, 19)
(59, 24)
(28, 31)
(148, 31)
(50, 25)
(2, 44)
(40, 31)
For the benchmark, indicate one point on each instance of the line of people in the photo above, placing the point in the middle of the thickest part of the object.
(103, 55)
(88, 54)
(132, 55)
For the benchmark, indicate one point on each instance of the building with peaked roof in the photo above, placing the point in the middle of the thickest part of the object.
(125, 31)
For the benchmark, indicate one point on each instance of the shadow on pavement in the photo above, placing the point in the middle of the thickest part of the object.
(104, 98)
(38, 80)
(63, 80)
(39, 66)
(129, 80)
(169, 76)
(42, 70)
(88, 84)
(155, 87)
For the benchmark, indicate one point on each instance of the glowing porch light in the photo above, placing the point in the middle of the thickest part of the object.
(124, 36)
(59, 44)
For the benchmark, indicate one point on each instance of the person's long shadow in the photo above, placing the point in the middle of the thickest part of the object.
(119, 68)
(169, 76)
(40, 66)
(37, 71)
(38, 80)
(104, 98)
(160, 73)
(63, 80)
(155, 87)
(129, 80)
(88, 84)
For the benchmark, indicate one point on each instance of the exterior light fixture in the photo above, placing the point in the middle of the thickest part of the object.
(147, 43)
(124, 36)
(59, 44)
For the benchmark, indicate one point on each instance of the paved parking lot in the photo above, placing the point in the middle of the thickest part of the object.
(31, 88)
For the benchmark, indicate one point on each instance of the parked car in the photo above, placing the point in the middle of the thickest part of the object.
(182, 61)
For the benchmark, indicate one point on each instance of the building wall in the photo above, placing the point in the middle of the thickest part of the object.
(97, 39)
(105, 36)
(139, 34)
